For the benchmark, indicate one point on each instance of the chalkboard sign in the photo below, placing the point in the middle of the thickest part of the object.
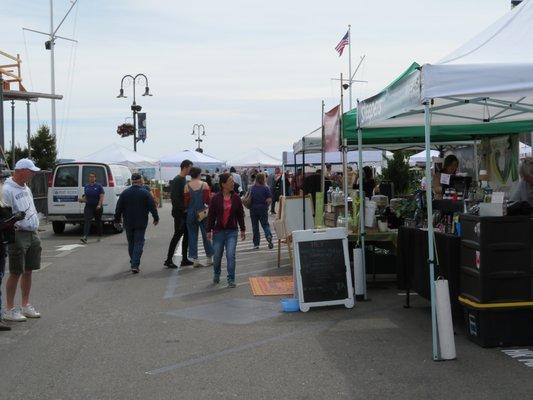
(322, 270)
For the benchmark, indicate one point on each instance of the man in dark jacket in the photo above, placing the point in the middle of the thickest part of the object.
(133, 205)
(179, 213)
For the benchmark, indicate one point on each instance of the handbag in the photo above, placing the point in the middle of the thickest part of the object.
(202, 214)
(247, 199)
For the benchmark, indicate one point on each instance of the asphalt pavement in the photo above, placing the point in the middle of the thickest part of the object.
(168, 334)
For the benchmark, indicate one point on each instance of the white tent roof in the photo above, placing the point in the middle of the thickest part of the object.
(199, 159)
(421, 157)
(116, 154)
(489, 79)
(256, 158)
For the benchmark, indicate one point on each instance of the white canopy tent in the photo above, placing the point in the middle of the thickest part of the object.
(255, 158)
(421, 157)
(116, 154)
(170, 165)
(483, 88)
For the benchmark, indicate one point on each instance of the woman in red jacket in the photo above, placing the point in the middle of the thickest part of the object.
(226, 215)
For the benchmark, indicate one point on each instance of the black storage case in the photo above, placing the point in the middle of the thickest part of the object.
(496, 259)
(498, 327)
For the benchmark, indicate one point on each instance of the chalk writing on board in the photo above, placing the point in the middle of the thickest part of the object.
(323, 270)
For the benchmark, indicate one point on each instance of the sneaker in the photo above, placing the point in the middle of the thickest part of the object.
(216, 279)
(83, 240)
(30, 312)
(270, 244)
(186, 263)
(14, 315)
(209, 261)
(256, 247)
(4, 326)
(134, 270)
(170, 264)
(196, 263)
(231, 284)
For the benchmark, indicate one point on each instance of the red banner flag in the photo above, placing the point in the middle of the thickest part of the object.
(332, 129)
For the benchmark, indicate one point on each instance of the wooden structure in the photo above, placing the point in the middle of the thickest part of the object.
(11, 71)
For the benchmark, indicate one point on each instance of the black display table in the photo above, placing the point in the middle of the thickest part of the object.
(413, 268)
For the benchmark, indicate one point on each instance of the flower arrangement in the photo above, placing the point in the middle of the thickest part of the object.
(125, 130)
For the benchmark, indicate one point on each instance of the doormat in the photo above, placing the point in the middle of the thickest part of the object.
(271, 285)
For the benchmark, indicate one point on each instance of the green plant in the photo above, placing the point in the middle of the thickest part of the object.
(406, 209)
(43, 148)
(397, 172)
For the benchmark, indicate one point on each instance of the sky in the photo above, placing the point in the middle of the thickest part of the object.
(253, 73)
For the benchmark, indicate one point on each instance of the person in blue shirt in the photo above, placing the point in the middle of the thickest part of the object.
(133, 206)
(93, 197)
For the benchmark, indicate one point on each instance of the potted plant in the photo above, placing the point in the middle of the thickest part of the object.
(125, 130)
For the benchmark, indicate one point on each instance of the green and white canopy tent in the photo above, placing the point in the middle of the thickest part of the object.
(483, 88)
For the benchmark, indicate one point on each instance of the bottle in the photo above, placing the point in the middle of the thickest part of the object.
(329, 193)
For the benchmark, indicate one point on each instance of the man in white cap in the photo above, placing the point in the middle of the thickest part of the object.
(25, 252)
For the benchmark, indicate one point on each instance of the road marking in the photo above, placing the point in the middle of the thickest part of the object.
(69, 247)
(523, 356)
(249, 346)
(172, 284)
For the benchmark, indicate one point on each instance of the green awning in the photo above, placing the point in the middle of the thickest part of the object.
(439, 133)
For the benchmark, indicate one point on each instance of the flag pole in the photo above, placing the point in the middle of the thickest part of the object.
(350, 78)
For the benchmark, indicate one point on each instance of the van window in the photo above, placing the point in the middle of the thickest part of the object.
(66, 176)
(101, 176)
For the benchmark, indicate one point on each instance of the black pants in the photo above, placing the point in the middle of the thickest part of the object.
(180, 229)
(90, 212)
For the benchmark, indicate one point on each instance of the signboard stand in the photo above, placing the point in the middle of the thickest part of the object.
(322, 268)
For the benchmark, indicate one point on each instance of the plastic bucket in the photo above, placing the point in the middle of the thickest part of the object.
(290, 305)
(370, 213)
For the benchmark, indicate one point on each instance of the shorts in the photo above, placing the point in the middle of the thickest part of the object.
(24, 253)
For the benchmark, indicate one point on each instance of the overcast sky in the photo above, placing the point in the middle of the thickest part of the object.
(254, 73)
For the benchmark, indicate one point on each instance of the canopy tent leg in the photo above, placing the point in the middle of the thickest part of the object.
(345, 179)
(323, 162)
(476, 165)
(431, 250)
(2, 115)
(13, 156)
(303, 179)
(28, 131)
(361, 202)
(283, 176)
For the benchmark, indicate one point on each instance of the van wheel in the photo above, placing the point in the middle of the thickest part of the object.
(58, 226)
(119, 229)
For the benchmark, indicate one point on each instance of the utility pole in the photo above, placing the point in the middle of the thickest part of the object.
(49, 45)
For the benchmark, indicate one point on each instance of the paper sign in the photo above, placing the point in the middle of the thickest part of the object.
(497, 197)
(445, 179)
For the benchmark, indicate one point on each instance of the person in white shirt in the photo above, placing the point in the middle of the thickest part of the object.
(236, 177)
(25, 252)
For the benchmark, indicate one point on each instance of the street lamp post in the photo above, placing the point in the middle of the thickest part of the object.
(135, 108)
(200, 128)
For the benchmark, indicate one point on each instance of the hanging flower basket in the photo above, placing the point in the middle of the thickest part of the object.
(125, 130)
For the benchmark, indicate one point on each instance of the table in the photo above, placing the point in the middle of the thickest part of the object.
(374, 238)
(413, 266)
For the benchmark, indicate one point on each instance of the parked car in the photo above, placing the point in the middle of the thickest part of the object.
(66, 187)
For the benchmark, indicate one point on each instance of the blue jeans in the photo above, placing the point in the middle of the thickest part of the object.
(225, 238)
(2, 270)
(135, 245)
(260, 216)
(192, 229)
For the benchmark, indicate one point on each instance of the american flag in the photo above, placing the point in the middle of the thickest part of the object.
(344, 41)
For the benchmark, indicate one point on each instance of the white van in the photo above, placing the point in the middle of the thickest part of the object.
(65, 187)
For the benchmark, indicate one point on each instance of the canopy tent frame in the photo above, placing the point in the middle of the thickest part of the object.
(429, 110)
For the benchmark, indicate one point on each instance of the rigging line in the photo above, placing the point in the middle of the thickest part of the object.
(70, 82)
(35, 105)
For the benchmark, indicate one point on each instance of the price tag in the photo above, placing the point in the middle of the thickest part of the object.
(445, 179)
